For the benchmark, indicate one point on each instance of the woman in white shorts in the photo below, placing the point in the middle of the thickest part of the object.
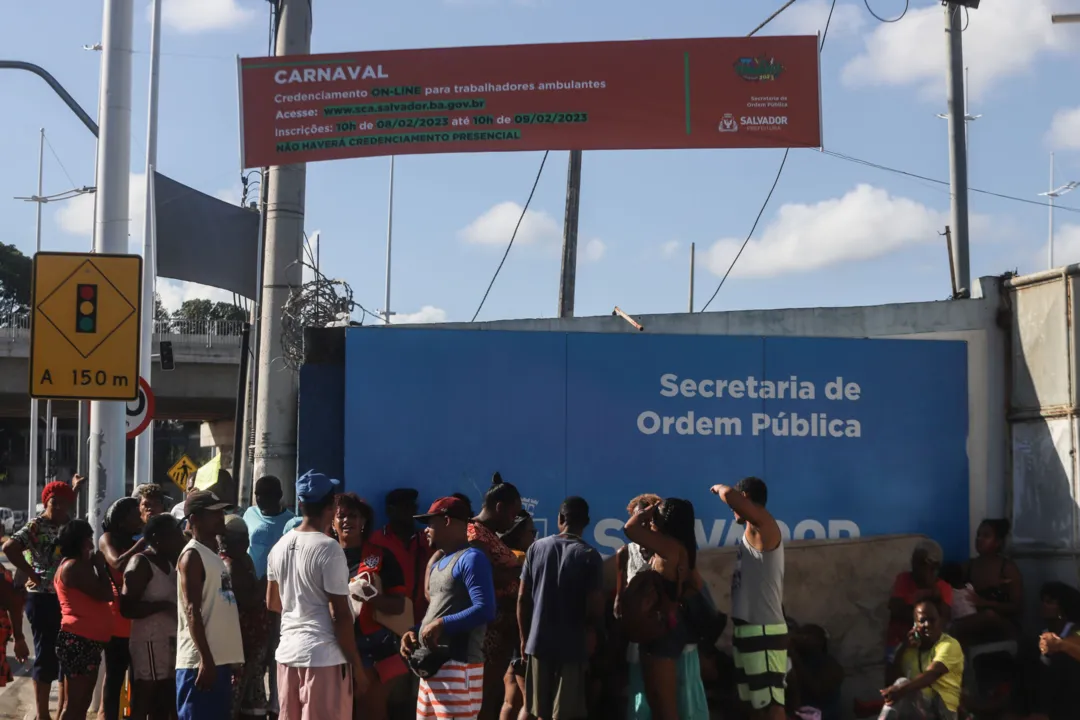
(149, 600)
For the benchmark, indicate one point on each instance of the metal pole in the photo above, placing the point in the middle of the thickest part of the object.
(107, 419)
(276, 404)
(144, 443)
(82, 453)
(245, 482)
(691, 277)
(32, 485)
(958, 148)
(568, 275)
(50, 472)
(238, 418)
(389, 243)
(1050, 205)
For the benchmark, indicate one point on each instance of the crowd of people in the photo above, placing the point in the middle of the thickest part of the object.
(450, 613)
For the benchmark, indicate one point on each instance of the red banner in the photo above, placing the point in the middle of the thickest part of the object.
(761, 92)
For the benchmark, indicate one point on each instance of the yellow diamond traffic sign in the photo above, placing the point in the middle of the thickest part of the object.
(84, 334)
(180, 471)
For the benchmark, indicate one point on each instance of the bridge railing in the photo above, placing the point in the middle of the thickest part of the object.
(15, 327)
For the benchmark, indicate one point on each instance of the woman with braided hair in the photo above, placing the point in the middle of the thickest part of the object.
(118, 545)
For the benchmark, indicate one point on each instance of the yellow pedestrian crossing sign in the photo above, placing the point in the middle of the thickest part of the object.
(179, 472)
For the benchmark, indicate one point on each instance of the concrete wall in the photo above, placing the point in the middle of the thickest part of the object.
(975, 321)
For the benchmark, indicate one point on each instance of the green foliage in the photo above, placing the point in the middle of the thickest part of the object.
(16, 271)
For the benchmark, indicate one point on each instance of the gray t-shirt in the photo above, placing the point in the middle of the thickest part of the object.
(561, 572)
(757, 585)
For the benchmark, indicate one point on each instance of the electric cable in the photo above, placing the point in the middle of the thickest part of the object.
(916, 176)
(59, 161)
(779, 171)
(772, 17)
(512, 236)
(907, 6)
(825, 32)
(749, 234)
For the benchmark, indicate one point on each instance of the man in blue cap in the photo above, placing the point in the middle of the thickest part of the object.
(308, 585)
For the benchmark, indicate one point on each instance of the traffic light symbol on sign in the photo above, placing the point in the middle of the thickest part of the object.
(86, 311)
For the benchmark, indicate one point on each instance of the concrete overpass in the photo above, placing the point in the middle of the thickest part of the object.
(202, 387)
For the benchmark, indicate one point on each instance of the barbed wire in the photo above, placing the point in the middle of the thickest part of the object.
(322, 302)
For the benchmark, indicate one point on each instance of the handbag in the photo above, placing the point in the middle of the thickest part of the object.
(704, 621)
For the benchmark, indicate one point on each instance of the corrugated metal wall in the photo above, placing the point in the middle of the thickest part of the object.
(1042, 417)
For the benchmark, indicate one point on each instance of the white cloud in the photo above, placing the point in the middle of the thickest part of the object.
(669, 248)
(808, 18)
(1066, 248)
(594, 250)
(496, 226)
(426, 314)
(1064, 131)
(173, 293)
(76, 217)
(866, 222)
(194, 16)
(1004, 38)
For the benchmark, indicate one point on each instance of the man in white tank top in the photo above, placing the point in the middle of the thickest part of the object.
(209, 649)
(759, 639)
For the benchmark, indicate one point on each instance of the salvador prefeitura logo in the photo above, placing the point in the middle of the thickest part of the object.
(758, 69)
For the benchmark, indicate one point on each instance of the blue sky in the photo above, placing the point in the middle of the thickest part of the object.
(835, 233)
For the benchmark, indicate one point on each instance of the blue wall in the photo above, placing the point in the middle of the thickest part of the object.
(608, 416)
(320, 441)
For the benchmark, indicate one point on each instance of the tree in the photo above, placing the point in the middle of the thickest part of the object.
(161, 315)
(16, 270)
(225, 318)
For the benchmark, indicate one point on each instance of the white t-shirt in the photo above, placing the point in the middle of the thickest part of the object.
(308, 567)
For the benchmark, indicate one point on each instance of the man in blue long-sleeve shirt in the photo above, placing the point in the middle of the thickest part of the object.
(462, 604)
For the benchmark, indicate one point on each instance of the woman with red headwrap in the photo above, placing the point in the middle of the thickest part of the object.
(33, 551)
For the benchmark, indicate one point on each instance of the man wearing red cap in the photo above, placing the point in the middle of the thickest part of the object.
(448, 652)
(33, 551)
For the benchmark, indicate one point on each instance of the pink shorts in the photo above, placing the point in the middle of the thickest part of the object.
(315, 693)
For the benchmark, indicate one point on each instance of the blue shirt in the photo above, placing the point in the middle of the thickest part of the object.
(293, 524)
(560, 574)
(264, 531)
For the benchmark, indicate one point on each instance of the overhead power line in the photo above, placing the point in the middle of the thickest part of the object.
(783, 161)
(524, 210)
(898, 18)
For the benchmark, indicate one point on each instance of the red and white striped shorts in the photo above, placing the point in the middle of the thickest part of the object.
(456, 691)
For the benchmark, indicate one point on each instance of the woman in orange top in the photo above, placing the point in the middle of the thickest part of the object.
(123, 522)
(84, 590)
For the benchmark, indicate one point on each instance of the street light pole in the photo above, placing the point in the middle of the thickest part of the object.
(34, 409)
(144, 443)
(1050, 195)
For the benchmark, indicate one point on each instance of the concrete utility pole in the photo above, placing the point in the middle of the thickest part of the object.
(275, 406)
(692, 277)
(568, 276)
(107, 419)
(144, 443)
(958, 175)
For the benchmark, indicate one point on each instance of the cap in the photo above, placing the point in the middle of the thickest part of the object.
(235, 525)
(202, 500)
(927, 549)
(449, 507)
(313, 487)
(402, 496)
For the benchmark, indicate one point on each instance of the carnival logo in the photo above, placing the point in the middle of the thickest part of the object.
(529, 504)
(728, 123)
(758, 69)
